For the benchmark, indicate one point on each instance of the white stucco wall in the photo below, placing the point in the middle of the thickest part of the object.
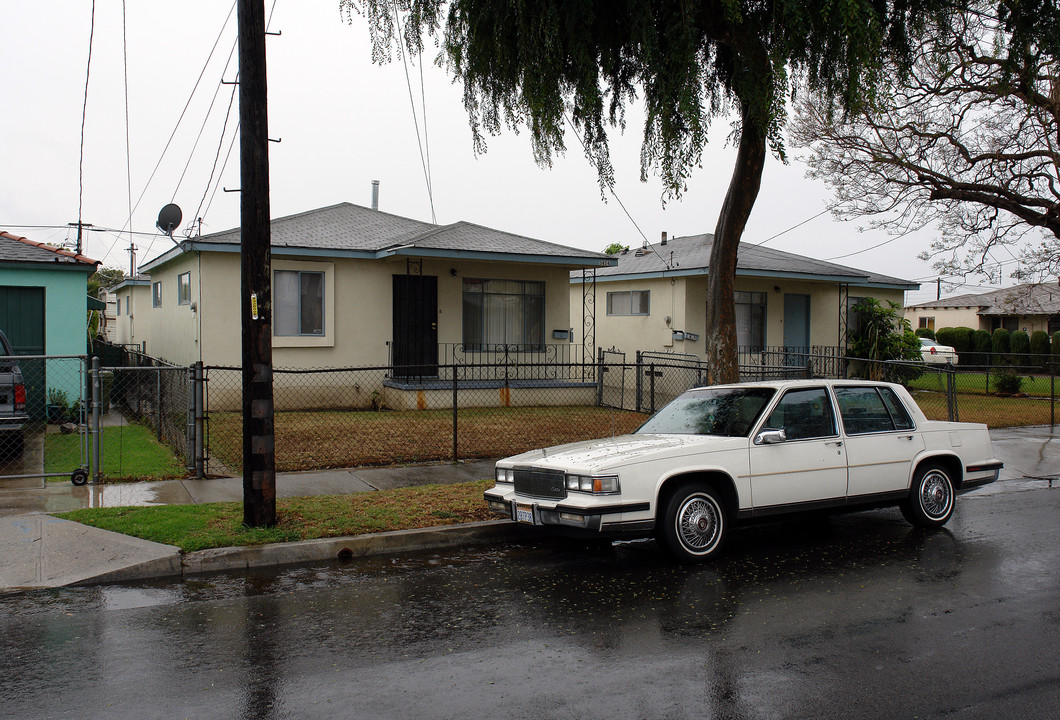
(683, 300)
(358, 307)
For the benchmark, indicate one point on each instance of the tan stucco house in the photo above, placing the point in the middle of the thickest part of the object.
(654, 299)
(357, 287)
(1029, 307)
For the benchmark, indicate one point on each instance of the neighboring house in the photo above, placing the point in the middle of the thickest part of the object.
(131, 296)
(655, 299)
(110, 316)
(44, 308)
(1030, 307)
(356, 287)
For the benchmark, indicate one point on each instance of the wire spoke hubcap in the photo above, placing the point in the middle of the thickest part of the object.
(936, 495)
(698, 523)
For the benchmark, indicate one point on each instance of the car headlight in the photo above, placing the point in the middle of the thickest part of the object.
(505, 475)
(594, 484)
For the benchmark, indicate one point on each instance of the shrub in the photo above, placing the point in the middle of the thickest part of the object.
(1000, 346)
(885, 336)
(944, 336)
(1040, 344)
(1007, 382)
(925, 332)
(981, 346)
(1020, 343)
(1056, 345)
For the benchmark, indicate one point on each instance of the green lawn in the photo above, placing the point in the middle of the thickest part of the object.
(1037, 385)
(197, 527)
(128, 452)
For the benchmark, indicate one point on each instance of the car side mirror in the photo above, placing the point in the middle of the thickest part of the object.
(770, 437)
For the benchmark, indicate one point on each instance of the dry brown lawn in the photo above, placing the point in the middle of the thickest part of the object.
(328, 439)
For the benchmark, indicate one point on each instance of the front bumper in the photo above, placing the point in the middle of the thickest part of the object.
(593, 519)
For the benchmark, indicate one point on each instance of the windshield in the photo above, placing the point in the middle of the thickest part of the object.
(729, 412)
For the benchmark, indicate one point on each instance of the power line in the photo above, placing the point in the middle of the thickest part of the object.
(182, 112)
(415, 120)
(793, 227)
(84, 115)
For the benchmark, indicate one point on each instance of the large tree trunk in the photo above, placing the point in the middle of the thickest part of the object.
(722, 362)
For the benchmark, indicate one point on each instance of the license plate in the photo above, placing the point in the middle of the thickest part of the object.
(524, 514)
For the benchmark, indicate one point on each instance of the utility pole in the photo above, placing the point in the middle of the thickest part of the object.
(259, 460)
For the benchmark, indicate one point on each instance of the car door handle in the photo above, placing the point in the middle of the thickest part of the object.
(905, 437)
(836, 443)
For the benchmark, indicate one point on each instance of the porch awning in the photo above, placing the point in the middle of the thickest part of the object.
(94, 304)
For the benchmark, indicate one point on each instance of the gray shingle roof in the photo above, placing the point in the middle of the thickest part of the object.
(691, 255)
(1028, 299)
(22, 250)
(352, 227)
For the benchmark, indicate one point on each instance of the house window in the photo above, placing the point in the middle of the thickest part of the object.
(855, 319)
(119, 307)
(927, 322)
(629, 302)
(156, 294)
(503, 312)
(128, 306)
(184, 288)
(750, 319)
(298, 303)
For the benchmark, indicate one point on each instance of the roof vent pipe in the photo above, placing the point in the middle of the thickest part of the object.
(663, 241)
(375, 194)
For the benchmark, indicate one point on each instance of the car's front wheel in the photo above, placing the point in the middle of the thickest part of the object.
(931, 497)
(695, 523)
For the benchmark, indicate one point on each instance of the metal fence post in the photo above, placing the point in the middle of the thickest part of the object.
(456, 455)
(199, 394)
(600, 377)
(97, 471)
(158, 403)
(1052, 394)
(189, 422)
(652, 385)
(640, 380)
(951, 392)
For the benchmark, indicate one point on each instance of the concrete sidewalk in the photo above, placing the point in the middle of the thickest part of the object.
(40, 551)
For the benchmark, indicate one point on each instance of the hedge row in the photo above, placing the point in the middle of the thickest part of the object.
(980, 347)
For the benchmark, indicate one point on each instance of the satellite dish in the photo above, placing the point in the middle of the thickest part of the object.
(169, 219)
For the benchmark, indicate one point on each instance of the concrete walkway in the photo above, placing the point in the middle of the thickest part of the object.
(40, 551)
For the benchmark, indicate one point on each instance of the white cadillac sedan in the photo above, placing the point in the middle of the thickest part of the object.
(728, 454)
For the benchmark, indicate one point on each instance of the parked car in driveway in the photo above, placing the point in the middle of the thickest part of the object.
(12, 401)
(722, 455)
(936, 354)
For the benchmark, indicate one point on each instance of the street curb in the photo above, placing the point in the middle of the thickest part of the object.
(344, 548)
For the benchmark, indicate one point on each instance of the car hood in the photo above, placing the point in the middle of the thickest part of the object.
(600, 455)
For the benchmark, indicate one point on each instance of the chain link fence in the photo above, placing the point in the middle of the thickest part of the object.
(42, 416)
(154, 420)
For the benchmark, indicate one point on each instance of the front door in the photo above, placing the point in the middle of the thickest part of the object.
(810, 465)
(415, 326)
(796, 329)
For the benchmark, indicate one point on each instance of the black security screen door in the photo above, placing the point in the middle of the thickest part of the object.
(415, 326)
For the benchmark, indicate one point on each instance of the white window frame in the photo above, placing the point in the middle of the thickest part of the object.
(617, 295)
(327, 338)
(184, 298)
(156, 294)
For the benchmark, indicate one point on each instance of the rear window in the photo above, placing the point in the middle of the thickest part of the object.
(871, 409)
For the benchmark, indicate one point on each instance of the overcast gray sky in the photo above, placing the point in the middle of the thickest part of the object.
(343, 122)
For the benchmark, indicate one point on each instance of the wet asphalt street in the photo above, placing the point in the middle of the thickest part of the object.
(858, 616)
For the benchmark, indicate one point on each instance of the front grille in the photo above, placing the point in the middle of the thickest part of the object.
(540, 483)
